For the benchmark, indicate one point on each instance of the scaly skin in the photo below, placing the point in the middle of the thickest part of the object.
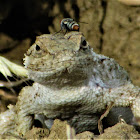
(72, 83)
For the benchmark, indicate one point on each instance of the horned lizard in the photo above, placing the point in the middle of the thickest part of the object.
(72, 83)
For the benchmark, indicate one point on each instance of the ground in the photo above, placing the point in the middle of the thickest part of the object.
(113, 29)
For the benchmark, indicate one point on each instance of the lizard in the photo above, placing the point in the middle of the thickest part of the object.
(71, 82)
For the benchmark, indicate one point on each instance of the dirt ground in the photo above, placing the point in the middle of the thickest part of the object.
(113, 29)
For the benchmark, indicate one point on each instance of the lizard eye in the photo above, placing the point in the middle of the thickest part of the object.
(37, 48)
(84, 43)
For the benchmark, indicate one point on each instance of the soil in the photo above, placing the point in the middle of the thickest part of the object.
(112, 29)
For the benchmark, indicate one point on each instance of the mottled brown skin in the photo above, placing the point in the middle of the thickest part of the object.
(72, 83)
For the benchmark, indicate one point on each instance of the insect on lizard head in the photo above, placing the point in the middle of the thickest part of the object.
(57, 55)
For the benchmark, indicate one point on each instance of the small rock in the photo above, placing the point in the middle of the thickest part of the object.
(120, 131)
(37, 133)
(58, 130)
(85, 135)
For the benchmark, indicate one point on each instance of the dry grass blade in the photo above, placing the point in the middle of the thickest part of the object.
(7, 96)
(7, 68)
(70, 132)
(100, 126)
(10, 84)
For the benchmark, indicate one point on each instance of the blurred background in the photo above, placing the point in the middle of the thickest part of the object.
(113, 27)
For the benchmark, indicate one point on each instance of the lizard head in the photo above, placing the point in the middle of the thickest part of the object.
(53, 56)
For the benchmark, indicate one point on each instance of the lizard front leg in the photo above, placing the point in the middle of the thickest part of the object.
(128, 95)
(136, 108)
(24, 109)
(32, 100)
(134, 101)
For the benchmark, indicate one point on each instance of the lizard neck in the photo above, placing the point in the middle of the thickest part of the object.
(66, 80)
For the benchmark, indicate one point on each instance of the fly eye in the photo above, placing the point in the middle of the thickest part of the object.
(84, 43)
(65, 22)
(37, 48)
